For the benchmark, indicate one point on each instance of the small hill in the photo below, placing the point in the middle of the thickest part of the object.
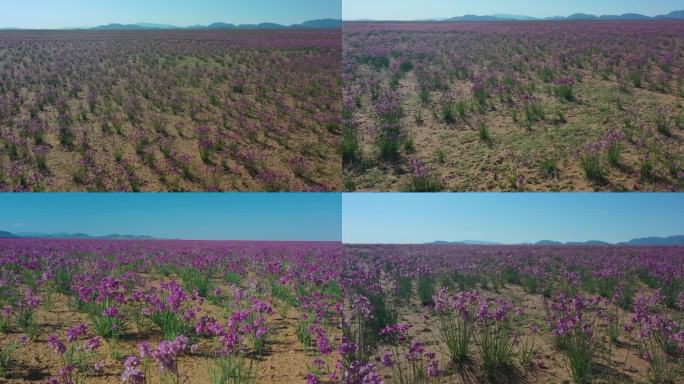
(626, 16)
(6, 235)
(465, 242)
(121, 27)
(676, 15)
(581, 16)
(216, 26)
(64, 235)
(670, 240)
(312, 24)
(513, 17)
(321, 24)
(476, 18)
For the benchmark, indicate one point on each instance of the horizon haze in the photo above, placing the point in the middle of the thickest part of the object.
(411, 10)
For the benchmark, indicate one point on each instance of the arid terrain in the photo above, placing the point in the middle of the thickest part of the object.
(518, 314)
(100, 311)
(170, 110)
(513, 106)
(86, 311)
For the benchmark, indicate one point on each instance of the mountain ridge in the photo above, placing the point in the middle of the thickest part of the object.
(309, 24)
(677, 240)
(64, 235)
(674, 15)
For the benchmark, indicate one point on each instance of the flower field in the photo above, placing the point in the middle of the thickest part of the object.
(76, 311)
(170, 110)
(100, 311)
(518, 314)
(513, 106)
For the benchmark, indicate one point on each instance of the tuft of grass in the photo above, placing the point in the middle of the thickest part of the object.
(647, 170)
(430, 183)
(593, 169)
(7, 358)
(549, 167)
(231, 369)
(194, 280)
(483, 131)
(170, 324)
(388, 141)
(564, 92)
(440, 155)
(448, 113)
(426, 289)
(409, 145)
(614, 154)
(351, 149)
(663, 123)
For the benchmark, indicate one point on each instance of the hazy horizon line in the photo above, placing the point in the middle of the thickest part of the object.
(540, 18)
(176, 26)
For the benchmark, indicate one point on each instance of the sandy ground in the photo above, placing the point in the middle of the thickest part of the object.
(284, 360)
(621, 365)
(465, 163)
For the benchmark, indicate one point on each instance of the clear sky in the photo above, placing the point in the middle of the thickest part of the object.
(193, 216)
(52, 14)
(425, 9)
(509, 218)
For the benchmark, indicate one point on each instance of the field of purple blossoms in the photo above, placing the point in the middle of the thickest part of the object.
(94, 311)
(100, 311)
(517, 314)
(170, 110)
(513, 106)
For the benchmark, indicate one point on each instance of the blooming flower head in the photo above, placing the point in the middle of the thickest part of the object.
(387, 359)
(56, 344)
(132, 374)
(93, 343)
(76, 332)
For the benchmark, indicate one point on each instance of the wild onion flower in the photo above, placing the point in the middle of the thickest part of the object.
(132, 373)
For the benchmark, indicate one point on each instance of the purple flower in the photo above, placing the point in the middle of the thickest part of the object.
(347, 348)
(387, 359)
(56, 344)
(433, 368)
(76, 332)
(132, 374)
(111, 312)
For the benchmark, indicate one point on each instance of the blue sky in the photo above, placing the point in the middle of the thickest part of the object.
(196, 216)
(50, 14)
(509, 218)
(420, 9)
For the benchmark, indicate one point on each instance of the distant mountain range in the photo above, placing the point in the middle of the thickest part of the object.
(310, 24)
(5, 234)
(662, 241)
(467, 242)
(676, 15)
